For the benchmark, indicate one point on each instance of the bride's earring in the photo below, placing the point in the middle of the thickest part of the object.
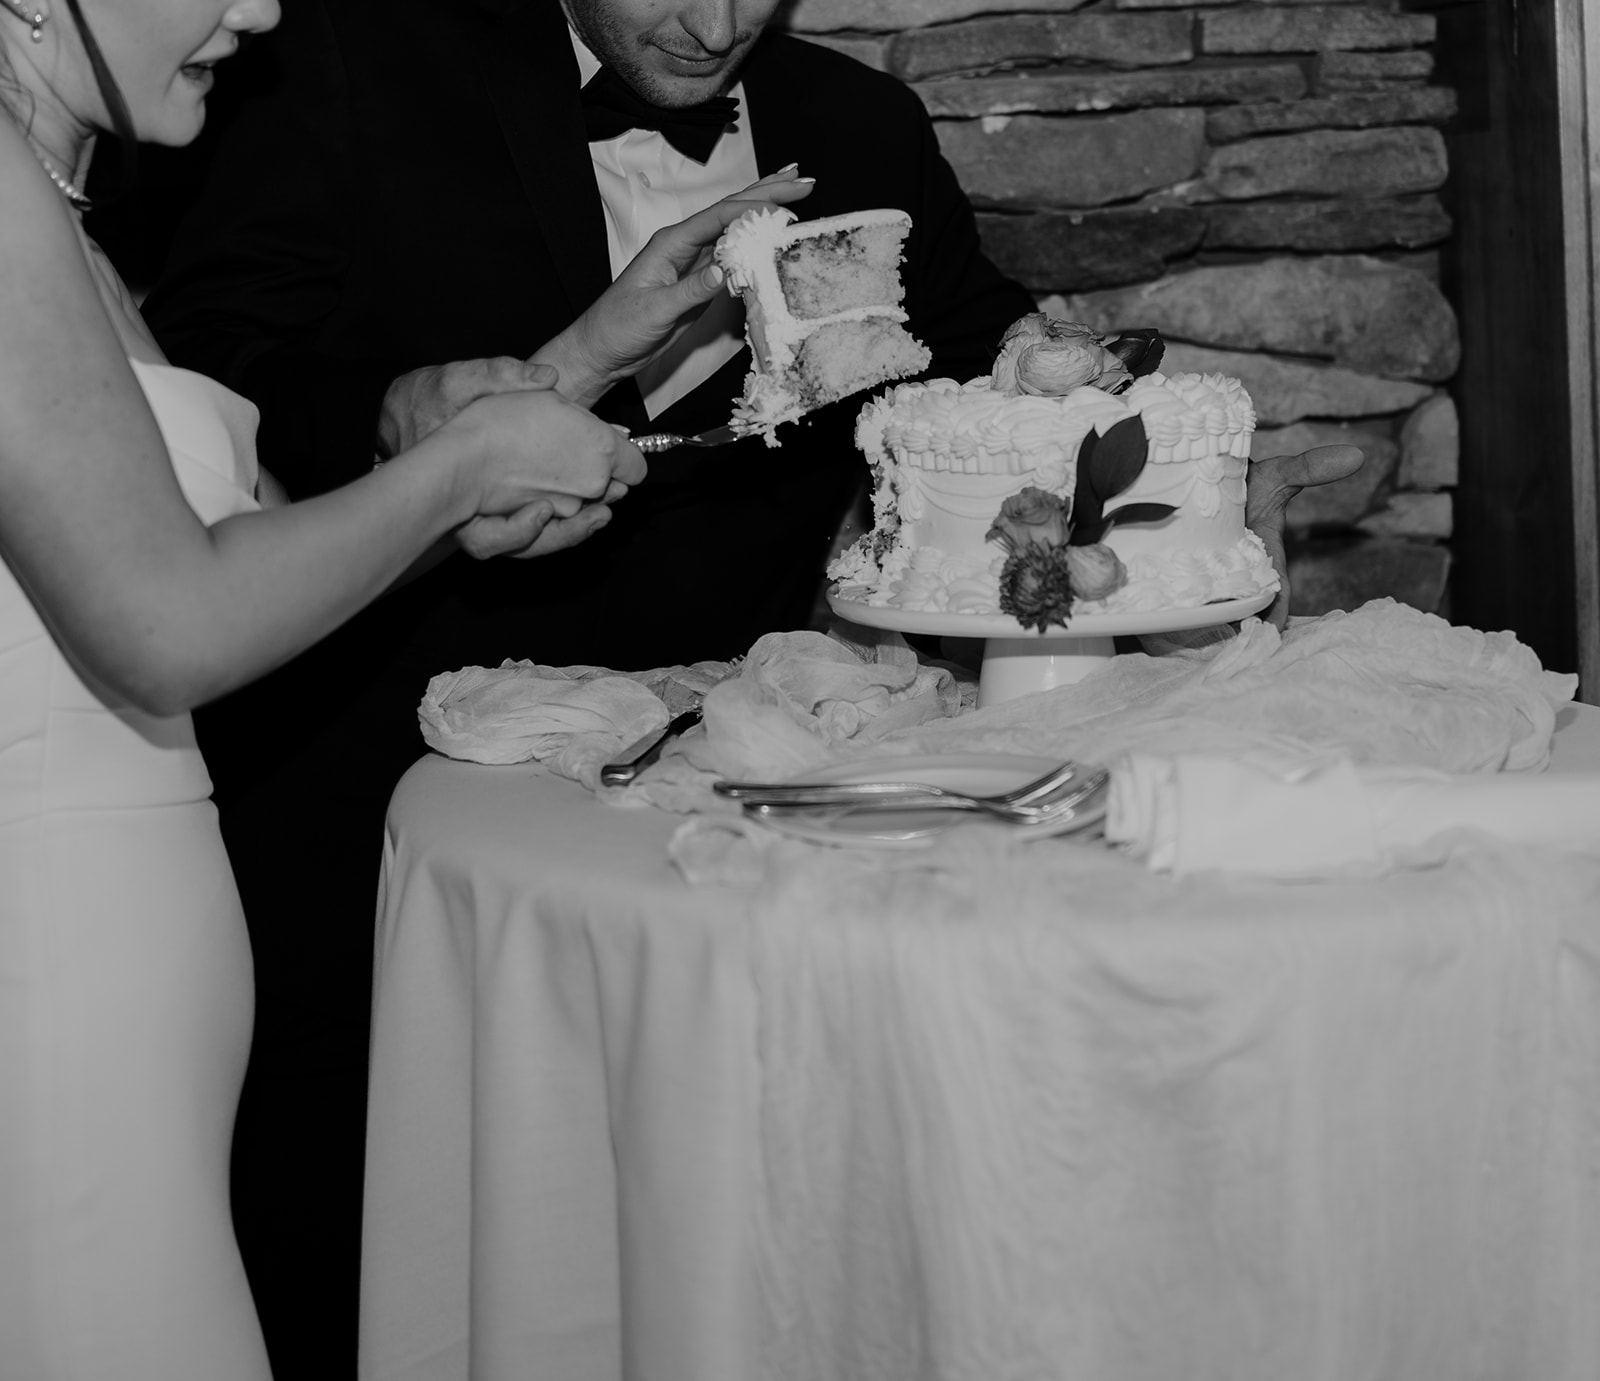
(35, 21)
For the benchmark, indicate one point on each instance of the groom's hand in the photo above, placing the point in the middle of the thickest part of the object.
(1273, 482)
(425, 399)
(537, 529)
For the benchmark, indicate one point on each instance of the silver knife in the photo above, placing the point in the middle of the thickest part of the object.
(638, 756)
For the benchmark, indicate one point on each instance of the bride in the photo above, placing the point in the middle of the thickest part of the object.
(146, 569)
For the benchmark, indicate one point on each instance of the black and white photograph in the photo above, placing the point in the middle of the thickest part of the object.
(799, 690)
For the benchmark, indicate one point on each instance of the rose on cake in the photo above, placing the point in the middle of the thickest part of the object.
(1033, 516)
(1045, 357)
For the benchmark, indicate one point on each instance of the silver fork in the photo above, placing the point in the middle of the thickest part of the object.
(891, 792)
(1056, 796)
(1059, 808)
(651, 443)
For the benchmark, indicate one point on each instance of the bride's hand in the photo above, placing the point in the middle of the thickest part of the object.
(671, 278)
(532, 447)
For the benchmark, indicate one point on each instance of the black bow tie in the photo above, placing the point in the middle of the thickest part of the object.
(612, 107)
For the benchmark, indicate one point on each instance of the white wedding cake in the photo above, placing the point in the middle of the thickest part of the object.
(947, 457)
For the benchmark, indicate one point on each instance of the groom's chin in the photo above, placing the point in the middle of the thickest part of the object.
(674, 83)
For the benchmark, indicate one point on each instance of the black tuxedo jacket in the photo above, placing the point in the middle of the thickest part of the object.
(409, 183)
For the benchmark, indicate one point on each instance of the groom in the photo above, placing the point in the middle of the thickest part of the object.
(411, 183)
(412, 186)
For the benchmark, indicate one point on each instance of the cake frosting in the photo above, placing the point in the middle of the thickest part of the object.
(946, 456)
(822, 309)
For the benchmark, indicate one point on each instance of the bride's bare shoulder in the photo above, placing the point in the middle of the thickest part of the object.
(33, 215)
(45, 276)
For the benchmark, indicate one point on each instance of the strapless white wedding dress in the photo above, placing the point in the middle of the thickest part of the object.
(125, 996)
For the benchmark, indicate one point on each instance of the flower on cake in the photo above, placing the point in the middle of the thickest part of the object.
(1096, 571)
(1043, 572)
(1047, 357)
(1036, 586)
(1032, 516)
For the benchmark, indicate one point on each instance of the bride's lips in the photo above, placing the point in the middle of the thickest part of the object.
(202, 70)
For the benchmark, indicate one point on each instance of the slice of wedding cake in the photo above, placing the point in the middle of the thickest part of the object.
(822, 309)
(1076, 478)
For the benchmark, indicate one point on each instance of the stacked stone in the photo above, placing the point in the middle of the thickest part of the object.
(1258, 181)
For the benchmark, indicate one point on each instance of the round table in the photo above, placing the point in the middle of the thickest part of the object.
(625, 1128)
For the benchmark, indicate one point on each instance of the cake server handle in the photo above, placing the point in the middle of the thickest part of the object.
(653, 442)
(638, 756)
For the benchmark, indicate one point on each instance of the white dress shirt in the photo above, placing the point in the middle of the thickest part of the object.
(646, 184)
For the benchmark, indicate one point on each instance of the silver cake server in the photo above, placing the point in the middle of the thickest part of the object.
(639, 755)
(651, 443)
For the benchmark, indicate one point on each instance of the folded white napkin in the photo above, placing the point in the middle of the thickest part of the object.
(798, 699)
(1318, 816)
(514, 713)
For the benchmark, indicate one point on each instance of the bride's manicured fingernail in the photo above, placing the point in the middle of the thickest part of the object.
(787, 168)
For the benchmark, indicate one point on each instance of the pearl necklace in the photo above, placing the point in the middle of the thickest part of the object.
(70, 190)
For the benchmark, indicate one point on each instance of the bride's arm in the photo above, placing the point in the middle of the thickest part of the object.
(163, 610)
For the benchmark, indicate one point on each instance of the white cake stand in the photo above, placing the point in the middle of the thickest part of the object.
(1018, 661)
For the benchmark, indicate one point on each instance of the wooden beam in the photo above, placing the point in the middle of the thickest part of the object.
(1578, 86)
(1506, 272)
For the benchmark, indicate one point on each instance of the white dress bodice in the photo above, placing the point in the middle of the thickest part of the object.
(66, 743)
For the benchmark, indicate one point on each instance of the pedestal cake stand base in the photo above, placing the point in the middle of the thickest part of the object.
(1017, 661)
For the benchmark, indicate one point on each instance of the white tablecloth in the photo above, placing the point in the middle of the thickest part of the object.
(1305, 1130)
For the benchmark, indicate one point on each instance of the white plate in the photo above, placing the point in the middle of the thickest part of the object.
(976, 774)
(1079, 626)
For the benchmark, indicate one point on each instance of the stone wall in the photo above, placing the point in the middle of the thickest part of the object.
(1258, 181)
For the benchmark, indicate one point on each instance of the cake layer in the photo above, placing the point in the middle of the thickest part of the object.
(749, 253)
(835, 271)
(842, 357)
(822, 313)
(943, 425)
(946, 456)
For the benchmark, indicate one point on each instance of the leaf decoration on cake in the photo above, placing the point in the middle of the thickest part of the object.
(1140, 351)
(1138, 513)
(1107, 465)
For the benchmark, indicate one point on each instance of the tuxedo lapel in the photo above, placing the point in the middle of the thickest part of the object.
(792, 122)
(777, 121)
(532, 79)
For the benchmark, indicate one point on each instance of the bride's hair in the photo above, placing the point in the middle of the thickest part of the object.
(13, 95)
